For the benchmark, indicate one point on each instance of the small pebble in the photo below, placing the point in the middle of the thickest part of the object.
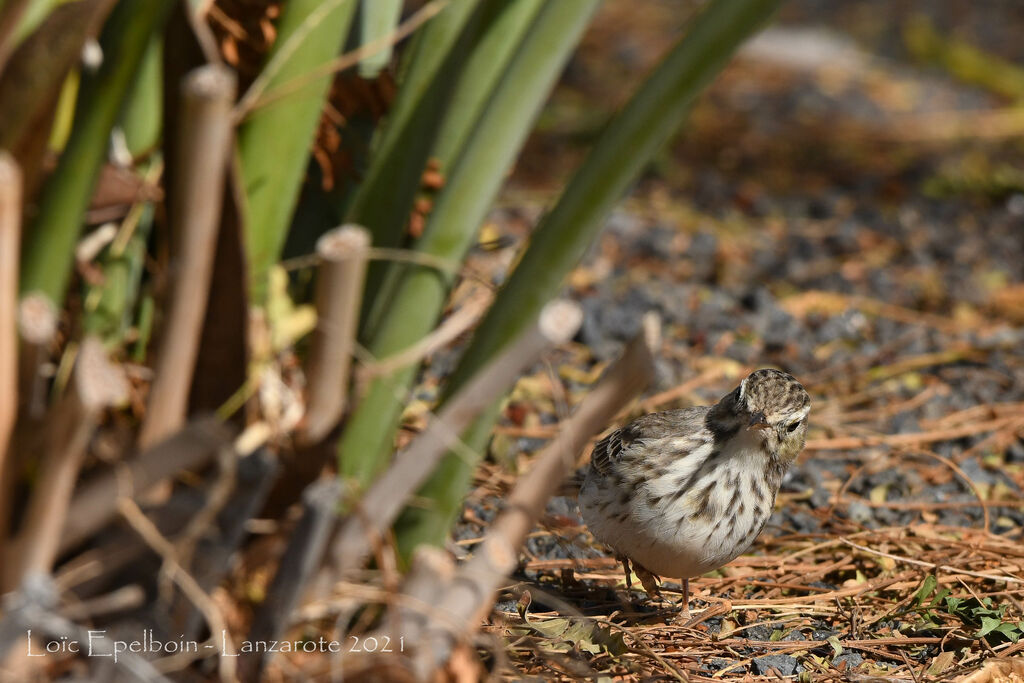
(784, 664)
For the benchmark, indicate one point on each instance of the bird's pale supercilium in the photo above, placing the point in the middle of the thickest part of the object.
(683, 492)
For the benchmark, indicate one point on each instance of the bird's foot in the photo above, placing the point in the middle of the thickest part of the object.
(648, 580)
(684, 617)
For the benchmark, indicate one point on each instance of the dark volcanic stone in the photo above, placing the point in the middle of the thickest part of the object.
(784, 664)
(717, 663)
(760, 632)
(852, 659)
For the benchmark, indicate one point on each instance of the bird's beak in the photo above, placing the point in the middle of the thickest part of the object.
(758, 421)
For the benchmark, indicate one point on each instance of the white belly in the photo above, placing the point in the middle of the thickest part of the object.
(665, 534)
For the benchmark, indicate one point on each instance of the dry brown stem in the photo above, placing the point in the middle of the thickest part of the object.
(463, 602)
(383, 501)
(461, 320)
(95, 384)
(95, 503)
(204, 143)
(430, 567)
(10, 238)
(339, 291)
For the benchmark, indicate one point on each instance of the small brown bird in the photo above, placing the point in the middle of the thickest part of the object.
(683, 492)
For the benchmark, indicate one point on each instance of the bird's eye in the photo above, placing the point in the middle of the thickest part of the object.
(792, 427)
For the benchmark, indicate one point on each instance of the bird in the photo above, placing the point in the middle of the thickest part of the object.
(683, 492)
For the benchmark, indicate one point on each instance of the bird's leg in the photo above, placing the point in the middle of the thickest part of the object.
(625, 567)
(649, 581)
(683, 618)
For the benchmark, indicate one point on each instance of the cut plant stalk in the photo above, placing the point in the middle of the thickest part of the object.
(339, 290)
(274, 140)
(10, 238)
(465, 601)
(95, 385)
(37, 325)
(49, 251)
(372, 515)
(204, 144)
(646, 123)
(366, 445)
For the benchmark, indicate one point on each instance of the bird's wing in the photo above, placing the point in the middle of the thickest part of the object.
(610, 450)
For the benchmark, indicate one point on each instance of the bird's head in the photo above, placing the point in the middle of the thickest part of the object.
(774, 406)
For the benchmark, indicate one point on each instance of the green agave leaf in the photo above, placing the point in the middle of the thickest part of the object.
(379, 19)
(274, 140)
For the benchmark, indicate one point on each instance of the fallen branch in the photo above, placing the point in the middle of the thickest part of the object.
(800, 305)
(204, 143)
(379, 507)
(465, 601)
(339, 291)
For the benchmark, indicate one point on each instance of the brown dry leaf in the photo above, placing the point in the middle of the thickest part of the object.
(998, 671)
